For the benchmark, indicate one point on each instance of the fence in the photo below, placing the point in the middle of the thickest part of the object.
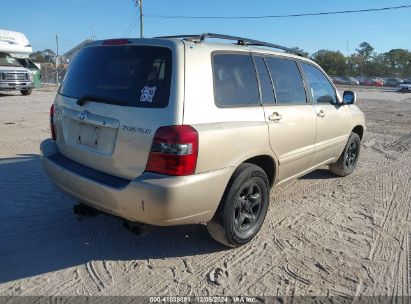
(48, 73)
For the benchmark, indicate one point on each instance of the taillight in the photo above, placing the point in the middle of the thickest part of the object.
(52, 128)
(116, 42)
(174, 151)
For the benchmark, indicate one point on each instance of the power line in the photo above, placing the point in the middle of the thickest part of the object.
(283, 16)
(131, 27)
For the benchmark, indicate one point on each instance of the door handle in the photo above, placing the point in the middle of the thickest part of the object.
(321, 113)
(275, 117)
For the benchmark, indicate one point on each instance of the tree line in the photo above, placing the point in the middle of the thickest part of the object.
(45, 56)
(365, 62)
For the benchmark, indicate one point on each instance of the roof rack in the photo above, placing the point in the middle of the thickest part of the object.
(240, 41)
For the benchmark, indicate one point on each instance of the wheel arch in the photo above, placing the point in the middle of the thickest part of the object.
(267, 163)
(359, 130)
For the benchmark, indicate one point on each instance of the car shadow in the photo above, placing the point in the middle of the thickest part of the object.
(389, 90)
(319, 174)
(39, 232)
(6, 95)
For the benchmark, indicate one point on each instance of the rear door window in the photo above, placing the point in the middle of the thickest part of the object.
(135, 76)
(287, 80)
(235, 80)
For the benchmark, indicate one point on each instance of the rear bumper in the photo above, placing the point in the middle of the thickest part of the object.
(10, 86)
(150, 198)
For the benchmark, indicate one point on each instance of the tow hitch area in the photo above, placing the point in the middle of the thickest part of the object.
(84, 210)
(138, 228)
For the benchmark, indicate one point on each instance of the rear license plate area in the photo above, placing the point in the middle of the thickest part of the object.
(97, 134)
(88, 135)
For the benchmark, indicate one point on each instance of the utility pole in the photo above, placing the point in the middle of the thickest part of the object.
(57, 58)
(140, 4)
(93, 32)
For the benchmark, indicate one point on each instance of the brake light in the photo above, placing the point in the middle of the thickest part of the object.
(116, 41)
(174, 151)
(52, 128)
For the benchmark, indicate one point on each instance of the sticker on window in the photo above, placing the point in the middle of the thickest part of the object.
(147, 94)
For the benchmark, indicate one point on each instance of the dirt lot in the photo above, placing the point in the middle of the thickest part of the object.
(322, 236)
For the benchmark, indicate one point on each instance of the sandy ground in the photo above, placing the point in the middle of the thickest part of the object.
(322, 236)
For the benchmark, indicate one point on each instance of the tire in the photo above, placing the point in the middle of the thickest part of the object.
(349, 157)
(26, 92)
(243, 207)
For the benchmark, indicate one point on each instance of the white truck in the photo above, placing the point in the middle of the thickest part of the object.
(13, 76)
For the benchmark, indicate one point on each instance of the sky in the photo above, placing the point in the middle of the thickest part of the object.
(74, 20)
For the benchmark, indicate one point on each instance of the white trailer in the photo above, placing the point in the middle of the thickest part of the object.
(15, 44)
(13, 76)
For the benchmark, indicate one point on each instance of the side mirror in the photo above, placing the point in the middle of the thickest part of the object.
(349, 97)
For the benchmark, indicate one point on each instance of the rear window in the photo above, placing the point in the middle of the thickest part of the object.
(135, 76)
(235, 80)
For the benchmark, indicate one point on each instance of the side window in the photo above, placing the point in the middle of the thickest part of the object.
(321, 89)
(266, 87)
(235, 80)
(287, 80)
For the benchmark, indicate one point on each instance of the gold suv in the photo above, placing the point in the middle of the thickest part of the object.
(180, 130)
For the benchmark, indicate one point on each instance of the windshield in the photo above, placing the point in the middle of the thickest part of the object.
(27, 63)
(7, 60)
(137, 76)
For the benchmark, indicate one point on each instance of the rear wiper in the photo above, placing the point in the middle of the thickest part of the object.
(83, 100)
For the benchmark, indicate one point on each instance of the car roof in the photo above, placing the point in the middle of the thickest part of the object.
(211, 45)
(235, 47)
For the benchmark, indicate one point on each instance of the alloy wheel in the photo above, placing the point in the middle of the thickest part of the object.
(248, 206)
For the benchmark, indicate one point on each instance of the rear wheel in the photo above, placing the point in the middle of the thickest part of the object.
(243, 207)
(348, 160)
(26, 92)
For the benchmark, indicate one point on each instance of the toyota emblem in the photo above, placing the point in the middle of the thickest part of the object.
(82, 116)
